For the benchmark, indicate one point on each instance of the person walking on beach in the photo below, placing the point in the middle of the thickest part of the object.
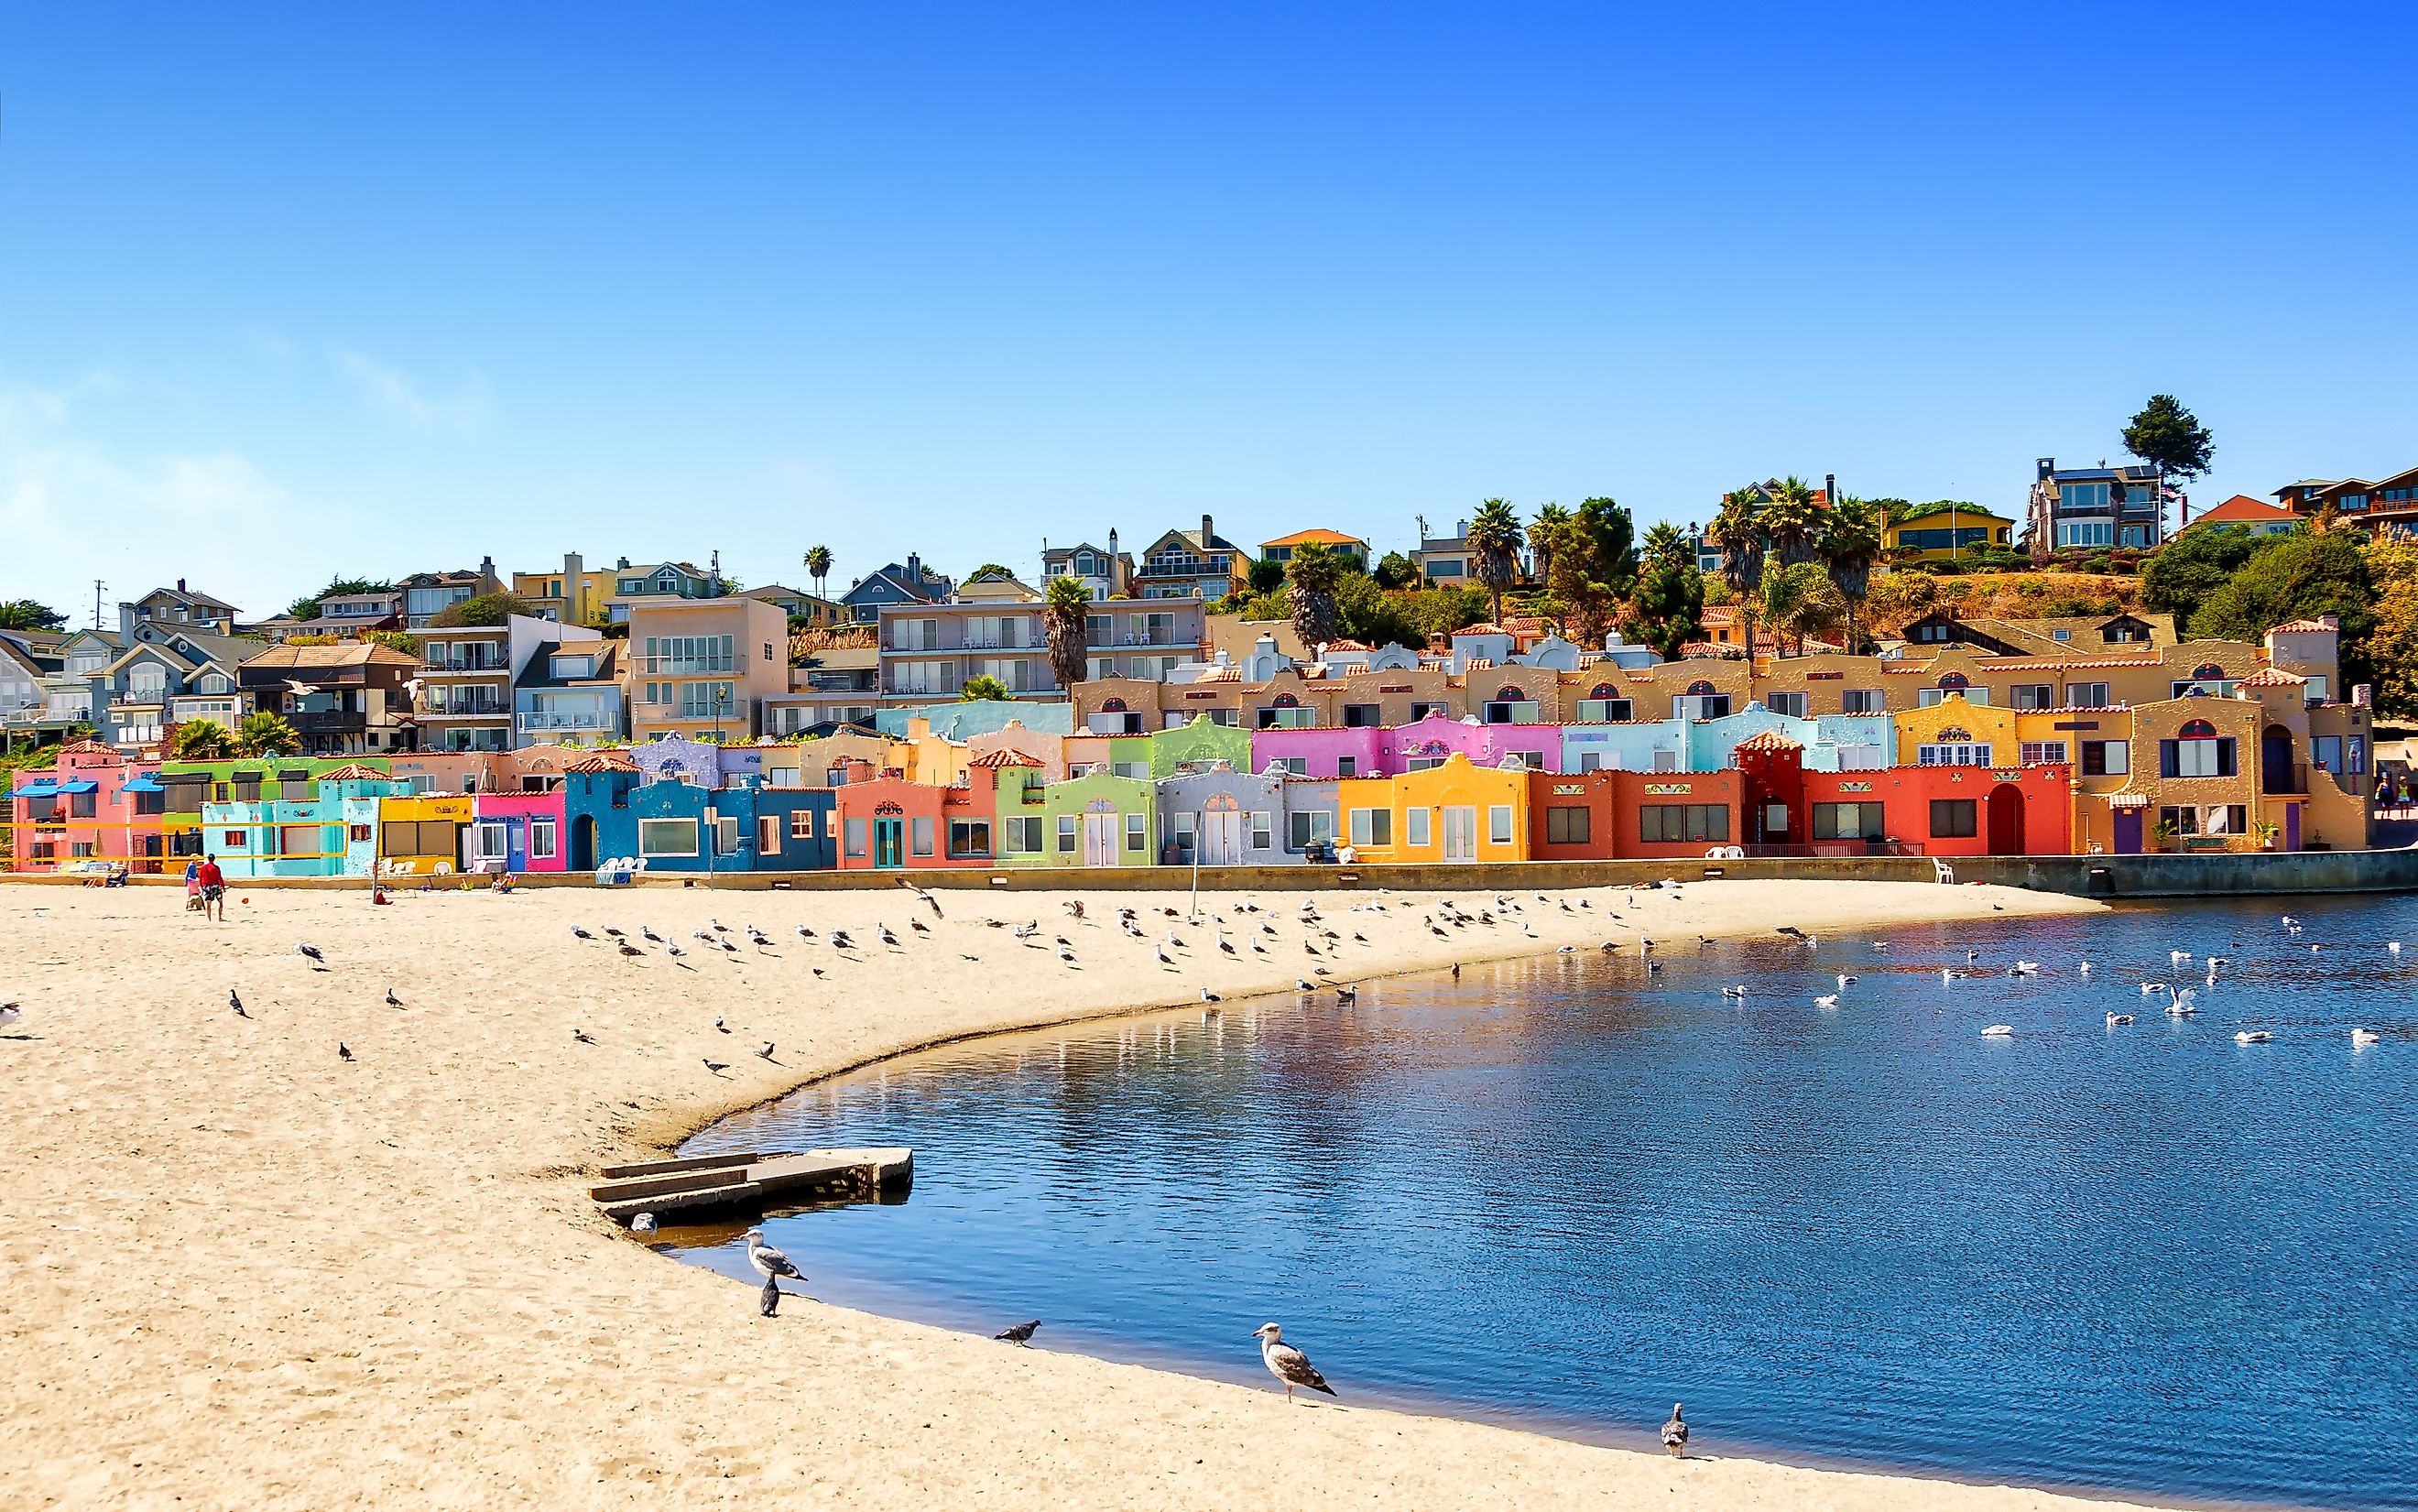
(214, 883)
(192, 884)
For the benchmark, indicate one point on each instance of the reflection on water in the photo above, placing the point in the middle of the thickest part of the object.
(2140, 1258)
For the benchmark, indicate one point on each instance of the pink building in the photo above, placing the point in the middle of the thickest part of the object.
(1354, 752)
(519, 831)
(93, 804)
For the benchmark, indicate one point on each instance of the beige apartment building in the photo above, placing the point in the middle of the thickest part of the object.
(703, 667)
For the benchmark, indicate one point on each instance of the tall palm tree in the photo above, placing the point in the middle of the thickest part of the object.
(1850, 543)
(1544, 536)
(1494, 538)
(1063, 615)
(1313, 576)
(1791, 521)
(818, 564)
(1737, 535)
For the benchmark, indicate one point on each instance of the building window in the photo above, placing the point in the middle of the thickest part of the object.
(1312, 827)
(2033, 695)
(1498, 823)
(1372, 827)
(1667, 824)
(1701, 705)
(1604, 712)
(2043, 753)
(541, 840)
(2084, 533)
(970, 838)
(687, 656)
(1420, 711)
(1262, 830)
(1848, 821)
(1415, 828)
(1790, 704)
(2180, 819)
(1290, 766)
(1065, 835)
(1930, 698)
(2198, 751)
(1511, 712)
(1347, 766)
(1952, 754)
(1137, 831)
(1023, 836)
(1362, 716)
(1953, 818)
(2325, 752)
(1288, 719)
(2106, 758)
(920, 834)
(855, 837)
(1569, 826)
(666, 837)
(1861, 701)
(801, 824)
(2086, 695)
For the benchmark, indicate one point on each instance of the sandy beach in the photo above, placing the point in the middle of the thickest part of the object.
(237, 1270)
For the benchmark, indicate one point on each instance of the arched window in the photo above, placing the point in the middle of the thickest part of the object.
(1701, 690)
(1286, 700)
(1112, 706)
(1508, 694)
(2208, 672)
(1953, 682)
(2196, 751)
(1604, 690)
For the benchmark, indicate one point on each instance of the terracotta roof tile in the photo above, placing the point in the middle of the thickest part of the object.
(1002, 758)
(87, 748)
(1768, 741)
(2271, 677)
(1482, 627)
(2301, 627)
(601, 761)
(354, 771)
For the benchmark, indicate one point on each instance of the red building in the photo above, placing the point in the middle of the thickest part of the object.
(888, 823)
(1627, 816)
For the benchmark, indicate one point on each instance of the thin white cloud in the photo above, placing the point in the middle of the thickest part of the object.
(72, 511)
(393, 393)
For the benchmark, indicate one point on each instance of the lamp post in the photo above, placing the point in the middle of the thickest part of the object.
(714, 813)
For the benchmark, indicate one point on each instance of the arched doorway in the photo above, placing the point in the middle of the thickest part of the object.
(2006, 820)
(583, 843)
(1220, 841)
(2276, 765)
(1100, 824)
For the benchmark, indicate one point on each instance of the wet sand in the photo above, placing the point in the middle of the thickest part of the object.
(237, 1270)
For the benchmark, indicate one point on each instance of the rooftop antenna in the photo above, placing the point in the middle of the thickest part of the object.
(1423, 528)
(713, 571)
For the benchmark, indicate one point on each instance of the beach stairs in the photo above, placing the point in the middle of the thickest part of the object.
(696, 1184)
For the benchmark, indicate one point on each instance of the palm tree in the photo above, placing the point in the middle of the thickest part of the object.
(200, 740)
(1494, 539)
(1791, 521)
(1737, 535)
(1850, 543)
(264, 734)
(1063, 617)
(1313, 576)
(819, 563)
(1544, 536)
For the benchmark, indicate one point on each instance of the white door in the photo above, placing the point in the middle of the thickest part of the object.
(1461, 834)
(1099, 839)
(1221, 839)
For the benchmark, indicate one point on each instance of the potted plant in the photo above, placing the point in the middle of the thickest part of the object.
(2266, 831)
(2163, 834)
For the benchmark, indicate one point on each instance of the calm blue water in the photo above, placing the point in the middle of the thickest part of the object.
(2142, 1259)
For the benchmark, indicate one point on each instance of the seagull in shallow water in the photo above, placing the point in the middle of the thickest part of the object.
(1674, 1432)
(2250, 1036)
(2114, 1019)
(2360, 1038)
(1828, 999)
(1021, 1334)
(1998, 1032)
(1288, 1364)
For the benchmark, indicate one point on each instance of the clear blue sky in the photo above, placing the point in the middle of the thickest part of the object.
(292, 291)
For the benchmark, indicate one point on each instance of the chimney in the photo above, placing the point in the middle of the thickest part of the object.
(1461, 529)
(2047, 466)
(1831, 488)
(621, 564)
(914, 571)
(180, 585)
(2332, 621)
(487, 573)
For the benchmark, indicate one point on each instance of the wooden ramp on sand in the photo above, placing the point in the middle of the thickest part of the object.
(752, 1179)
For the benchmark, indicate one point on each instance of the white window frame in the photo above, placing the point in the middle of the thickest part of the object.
(666, 836)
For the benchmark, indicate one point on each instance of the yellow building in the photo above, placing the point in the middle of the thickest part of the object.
(422, 836)
(1455, 812)
(934, 761)
(1943, 533)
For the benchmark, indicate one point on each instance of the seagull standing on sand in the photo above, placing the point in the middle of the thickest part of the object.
(233, 1001)
(770, 1263)
(311, 953)
(1674, 1432)
(1286, 1363)
(10, 1013)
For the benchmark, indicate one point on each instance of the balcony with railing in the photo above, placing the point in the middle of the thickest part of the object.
(535, 722)
(462, 709)
(329, 722)
(468, 656)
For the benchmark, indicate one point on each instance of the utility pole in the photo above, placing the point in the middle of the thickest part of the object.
(96, 603)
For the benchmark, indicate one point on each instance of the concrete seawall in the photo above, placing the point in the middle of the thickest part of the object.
(2097, 876)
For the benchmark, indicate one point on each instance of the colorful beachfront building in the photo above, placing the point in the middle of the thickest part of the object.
(93, 805)
(516, 831)
(1611, 814)
(888, 823)
(333, 831)
(1945, 808)
(1218, 816)
(1099, 819)
(685, 827)
(1454, 811)
(420, 834)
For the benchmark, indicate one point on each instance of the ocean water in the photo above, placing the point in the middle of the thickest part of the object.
(1565, 1193)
